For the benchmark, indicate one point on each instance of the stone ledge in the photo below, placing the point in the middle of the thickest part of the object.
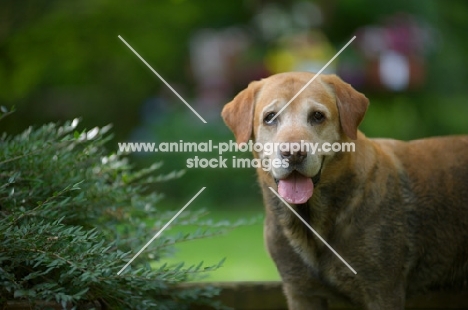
(269, 296)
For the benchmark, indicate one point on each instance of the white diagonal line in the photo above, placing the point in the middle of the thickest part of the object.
(316, 233)
(163, 80)
(159, 232)
(315, 76)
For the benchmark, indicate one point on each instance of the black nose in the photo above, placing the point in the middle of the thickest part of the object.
(295, 157)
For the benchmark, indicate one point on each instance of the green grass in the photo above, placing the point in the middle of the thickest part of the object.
(243, 248)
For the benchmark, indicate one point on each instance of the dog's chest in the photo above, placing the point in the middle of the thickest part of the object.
(303, 240)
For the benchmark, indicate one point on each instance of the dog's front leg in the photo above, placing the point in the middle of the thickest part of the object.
(389, 299)
(299, 285)
(298, 300)
(392, 305)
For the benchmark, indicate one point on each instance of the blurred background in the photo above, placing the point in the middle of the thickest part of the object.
(62, 59)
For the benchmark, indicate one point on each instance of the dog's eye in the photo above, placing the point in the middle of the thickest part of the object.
(268, 118)
(317, 117)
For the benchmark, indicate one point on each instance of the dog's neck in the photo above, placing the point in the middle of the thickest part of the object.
(331, 200)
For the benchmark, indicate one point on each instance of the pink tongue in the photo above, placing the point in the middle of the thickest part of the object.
(296, 189)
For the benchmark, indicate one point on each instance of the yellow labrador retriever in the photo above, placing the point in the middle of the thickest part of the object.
(396, 211)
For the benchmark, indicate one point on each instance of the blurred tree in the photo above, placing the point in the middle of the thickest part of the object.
(61, 59)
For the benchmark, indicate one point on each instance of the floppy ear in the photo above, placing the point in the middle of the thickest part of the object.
(238, 114)
(352, 105)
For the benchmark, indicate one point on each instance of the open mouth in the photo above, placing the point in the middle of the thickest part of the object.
(297, 188)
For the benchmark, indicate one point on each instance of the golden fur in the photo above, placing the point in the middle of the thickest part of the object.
(396, 211)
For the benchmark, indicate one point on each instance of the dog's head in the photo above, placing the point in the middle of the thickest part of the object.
(327, 111)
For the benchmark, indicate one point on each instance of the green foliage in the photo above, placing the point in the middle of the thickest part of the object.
(72, 215)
